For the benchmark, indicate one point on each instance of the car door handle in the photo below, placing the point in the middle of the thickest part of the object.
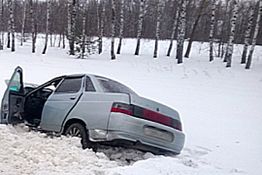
(73, 98)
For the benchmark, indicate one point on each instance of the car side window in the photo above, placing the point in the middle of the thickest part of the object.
(89, 85)
(15, 83)
(114, 87)
(70, 85)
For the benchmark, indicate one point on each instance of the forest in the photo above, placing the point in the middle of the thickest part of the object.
(83, 24)
(201, 59)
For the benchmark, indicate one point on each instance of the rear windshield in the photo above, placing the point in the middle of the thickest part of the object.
(112, 86)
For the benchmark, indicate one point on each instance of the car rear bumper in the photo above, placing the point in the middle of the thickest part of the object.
(125, 127)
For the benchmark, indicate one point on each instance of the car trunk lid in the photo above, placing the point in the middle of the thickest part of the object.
(154, 106)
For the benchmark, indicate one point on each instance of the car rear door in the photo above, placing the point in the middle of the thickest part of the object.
(13, 99)
(61, 102)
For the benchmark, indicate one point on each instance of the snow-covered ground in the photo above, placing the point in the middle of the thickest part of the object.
(220, 110)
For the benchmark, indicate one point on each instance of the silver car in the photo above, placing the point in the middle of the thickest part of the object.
(95, 108)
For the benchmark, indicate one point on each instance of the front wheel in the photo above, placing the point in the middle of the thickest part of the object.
(78, 130)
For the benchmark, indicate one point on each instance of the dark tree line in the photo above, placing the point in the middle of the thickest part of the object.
(58, 17)
(225, 22)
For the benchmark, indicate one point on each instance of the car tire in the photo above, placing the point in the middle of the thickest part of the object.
(78, 130)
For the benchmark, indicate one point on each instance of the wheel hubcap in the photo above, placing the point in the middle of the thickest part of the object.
(74, 132)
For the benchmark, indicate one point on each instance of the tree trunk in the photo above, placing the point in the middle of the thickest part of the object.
(101, 27)
(8, 37)
(121, 27)
(159, 13)
(3, 34)
(1, 25)
(11, 26)
(113, 16)
(173, 32)
(55, 35)
(34, 35)
(140, 25)
(69, 21)
(51, 39)
(224, 31)
(211, 34)
(33, 25)
(254, 39)
(59, 41)
(247, 35)
(23, 23)
(71, 25)
(230, 44)
(48, 4)
(220, 45)
(202, 6)
(181, 31)
(63, 38)
(83, 32)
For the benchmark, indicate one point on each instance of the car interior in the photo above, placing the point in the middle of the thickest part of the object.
(35, 99)
(16, 100)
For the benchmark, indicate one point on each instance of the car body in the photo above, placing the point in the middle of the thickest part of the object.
(107, 110)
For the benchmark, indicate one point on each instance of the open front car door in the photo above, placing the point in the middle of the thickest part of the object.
(12, 105)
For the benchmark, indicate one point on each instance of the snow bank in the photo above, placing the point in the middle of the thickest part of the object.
(23, 152)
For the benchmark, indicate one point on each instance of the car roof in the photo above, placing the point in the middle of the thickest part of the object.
(74, 75)
(81, 75)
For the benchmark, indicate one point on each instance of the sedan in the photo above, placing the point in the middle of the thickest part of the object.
(94, 108)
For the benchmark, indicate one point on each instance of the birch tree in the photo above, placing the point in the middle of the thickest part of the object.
(181, 31)
(51, 38)
(9, 2)
(8, 34)
(158, 20)
(247, 35)
(254, 39)
(101, 26)
(11, 25)
(230, 44)
(211, 34)
(69, 22)
(201, 8)
(121, 31)
(23, 23)
(173, 31)
(63, 40)
(59, 41)
(48, 5)
(140, 25)
(33, 25)
(224, 31)
(83, 31)
(1, 25)
(71, 26)
(61, 19)
(113, 21)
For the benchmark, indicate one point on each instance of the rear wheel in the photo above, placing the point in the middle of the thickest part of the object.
(78, 130)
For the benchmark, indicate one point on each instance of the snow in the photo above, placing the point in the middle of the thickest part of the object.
(35, 153)
(220, 110)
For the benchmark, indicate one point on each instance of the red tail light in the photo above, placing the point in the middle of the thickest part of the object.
(157, 117)
(146, 114)
(122, 108)
(162, 119)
